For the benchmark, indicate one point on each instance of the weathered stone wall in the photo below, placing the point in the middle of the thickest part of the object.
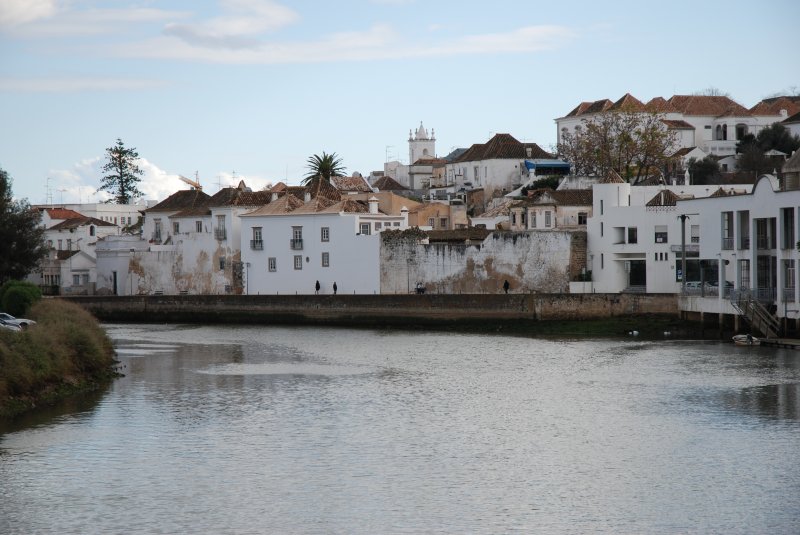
(430, 309)
(532, 261)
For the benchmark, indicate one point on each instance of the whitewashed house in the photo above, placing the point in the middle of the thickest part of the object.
(547, 209)
(289, 244)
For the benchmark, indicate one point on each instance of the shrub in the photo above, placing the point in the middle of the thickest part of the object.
(16, 297)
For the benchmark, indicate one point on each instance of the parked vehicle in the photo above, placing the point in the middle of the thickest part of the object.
(9, 326)
(746, 340)
(22, 323)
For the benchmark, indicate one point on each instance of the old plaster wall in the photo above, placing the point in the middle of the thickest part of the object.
(534, 261)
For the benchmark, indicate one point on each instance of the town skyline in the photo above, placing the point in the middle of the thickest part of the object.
(240, 85)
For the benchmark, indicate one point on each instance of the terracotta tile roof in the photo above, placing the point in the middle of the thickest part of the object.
(773, 106)
(580, 109)
(280, 186)
(792, 119)
(627, 103)
(598, 105)
(239, 196)
(387, 183)
(677, 124)
(62, 213)
(200, 211)
(664, 197)
(284, 205)
(435, 162)
(349, 206)
(716, 106)
(682, 152)
(351, 183)
(317, 204)
(319, 187)
(296, 191)
(180, 200)
(564, 197)
(612, 178)
(63, 255)
(500, 209)
(722, 193)
(502, 146)
(660, 105)
(75, 222)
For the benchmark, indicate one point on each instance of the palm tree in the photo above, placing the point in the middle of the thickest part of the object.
(324, 166)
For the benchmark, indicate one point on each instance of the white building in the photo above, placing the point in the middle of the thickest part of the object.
(634, 236)
(498, 166)
(712, 123)
(421, 146)
(293, 244)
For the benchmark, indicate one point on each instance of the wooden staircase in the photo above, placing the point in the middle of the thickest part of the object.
(756, 314)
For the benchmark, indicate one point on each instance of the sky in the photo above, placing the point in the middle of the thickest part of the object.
(233, 90)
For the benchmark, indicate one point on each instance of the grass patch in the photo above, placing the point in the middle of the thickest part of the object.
(65, 352)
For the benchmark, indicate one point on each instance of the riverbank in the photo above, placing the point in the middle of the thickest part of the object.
(594, 315)
(66, 352)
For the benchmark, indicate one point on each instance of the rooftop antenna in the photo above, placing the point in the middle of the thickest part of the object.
(62, 197)
(219, 182)
(48, 194)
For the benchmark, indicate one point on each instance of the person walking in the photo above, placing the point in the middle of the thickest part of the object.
(334, 288)
(316, 287)
(506, 286)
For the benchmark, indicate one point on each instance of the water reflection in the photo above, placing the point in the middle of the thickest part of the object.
(287, 430)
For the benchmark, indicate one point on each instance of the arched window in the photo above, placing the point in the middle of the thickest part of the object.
(718, 133)
(724, 132)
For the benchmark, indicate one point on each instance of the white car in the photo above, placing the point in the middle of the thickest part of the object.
(9, 326)
(22, 323)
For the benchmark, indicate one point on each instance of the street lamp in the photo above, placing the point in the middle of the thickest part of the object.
(247, 278)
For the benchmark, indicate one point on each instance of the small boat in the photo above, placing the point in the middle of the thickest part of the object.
(745, 340)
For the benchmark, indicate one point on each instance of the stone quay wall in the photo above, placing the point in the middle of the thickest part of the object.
(374, 310)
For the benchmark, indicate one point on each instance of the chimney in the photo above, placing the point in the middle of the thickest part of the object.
(404, 213)
(307, 196)
(274, 196)
(373, 205)
(528, 152)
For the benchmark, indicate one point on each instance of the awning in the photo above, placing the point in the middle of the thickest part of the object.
(548, 164)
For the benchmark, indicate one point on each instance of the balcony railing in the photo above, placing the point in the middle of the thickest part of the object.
(763, 242)
(220, 234)
(156, 237)
(257, 245)
(296, 244)
(788, 295)
(727, 243)
(744, 243)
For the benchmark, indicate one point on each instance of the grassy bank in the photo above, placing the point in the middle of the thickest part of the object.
(65, 352)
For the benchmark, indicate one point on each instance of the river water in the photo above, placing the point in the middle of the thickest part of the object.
(220, 429)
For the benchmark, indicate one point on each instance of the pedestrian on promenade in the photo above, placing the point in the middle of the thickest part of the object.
(506, 285)
(316, 286)
(334, 288)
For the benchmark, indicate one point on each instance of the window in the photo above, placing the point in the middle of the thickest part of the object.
(442, 222)
(788, 228)
(298, 261)
(582, 216)
(325, 234)
(76, 280)
(365, 229)
(727, 230)
(157, 230)
(661, 234)
(91, 230)
(220, 233)
(744, 274)
(198, 226)
(69, 244)
(602, 263)
(694, 231)
(272, 264)
(533, 219)
(326, 260)
(221, 262)
(296, 243)
(601, 229)
(378, 226)
(601, 206)
(176, 227)
(59, 245)
(85, 279)
(547, 220)
(397, 223)
(431, 221)
(257, 244)
(50, 243)
(633, 235)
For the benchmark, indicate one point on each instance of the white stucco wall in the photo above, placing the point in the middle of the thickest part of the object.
(530, 261)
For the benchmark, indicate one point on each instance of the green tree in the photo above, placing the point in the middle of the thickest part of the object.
(705, 171)
(21, 235)
(325, 167)
(752, 149)
(122, 174)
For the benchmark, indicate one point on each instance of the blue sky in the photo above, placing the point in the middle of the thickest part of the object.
(257, 86)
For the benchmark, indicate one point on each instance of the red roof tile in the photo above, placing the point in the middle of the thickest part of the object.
(62, 213)
(716, 106)
(627, 103)
(502, 146)
(773, 106)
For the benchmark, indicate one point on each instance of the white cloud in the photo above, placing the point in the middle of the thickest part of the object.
(57, 85)
(67, 23)
(15, 12)
(377, 43)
